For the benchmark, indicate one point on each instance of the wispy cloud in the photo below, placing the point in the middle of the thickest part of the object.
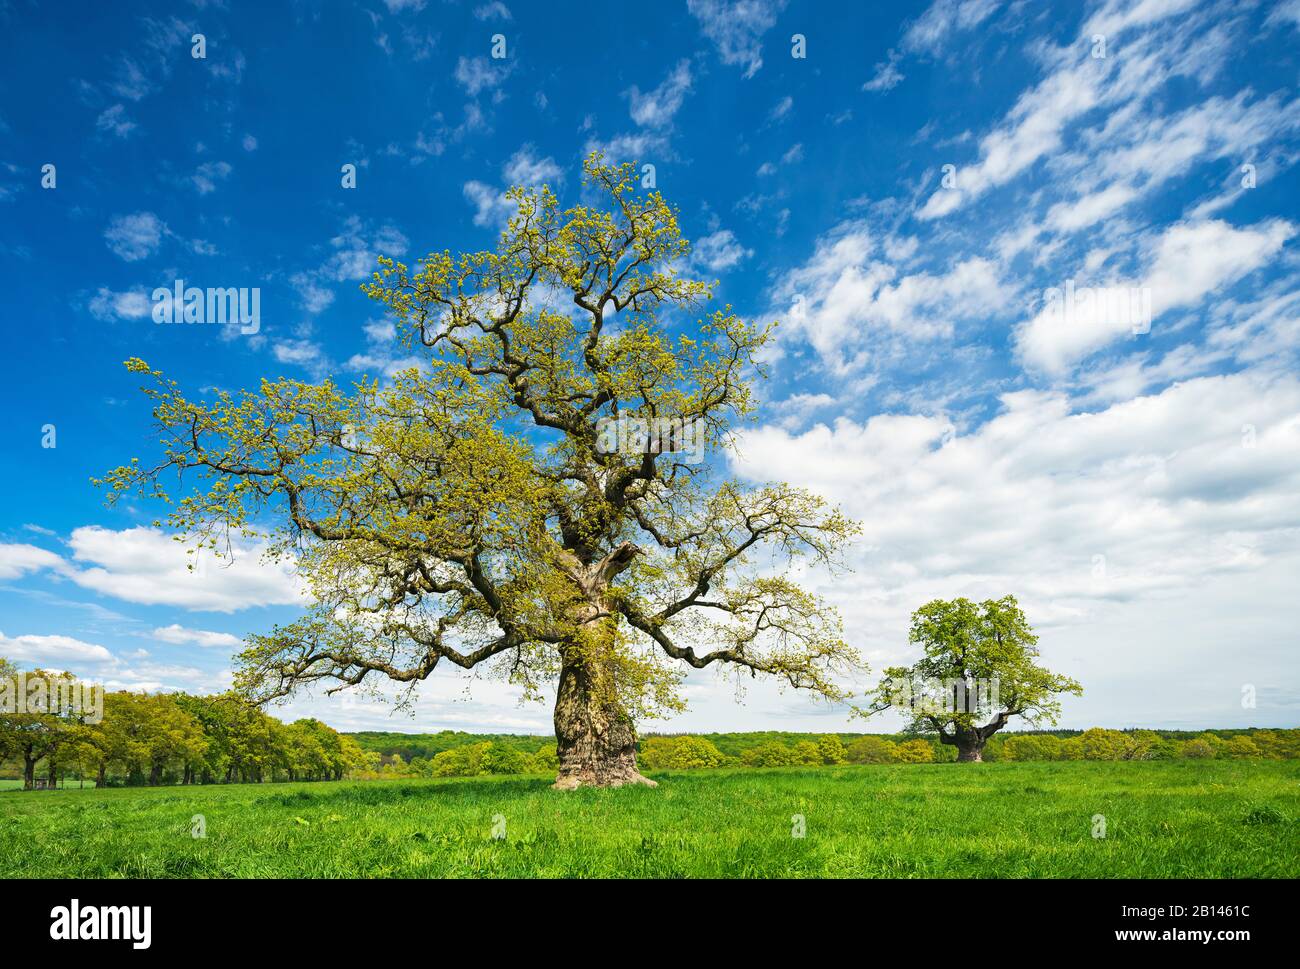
(736, 28)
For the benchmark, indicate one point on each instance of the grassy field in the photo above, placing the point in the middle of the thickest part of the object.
(1174, 819)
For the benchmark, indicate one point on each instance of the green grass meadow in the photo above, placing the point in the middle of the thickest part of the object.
(1179, 819)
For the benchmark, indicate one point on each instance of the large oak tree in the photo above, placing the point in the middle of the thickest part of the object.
(470, 510)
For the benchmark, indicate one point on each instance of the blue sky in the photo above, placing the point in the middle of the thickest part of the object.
(1137, 486)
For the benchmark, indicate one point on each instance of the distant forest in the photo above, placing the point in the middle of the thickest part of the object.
(452, 752)
(408, 746)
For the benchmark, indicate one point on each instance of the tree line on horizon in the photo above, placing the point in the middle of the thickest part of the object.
(457, 754)
(151, 739)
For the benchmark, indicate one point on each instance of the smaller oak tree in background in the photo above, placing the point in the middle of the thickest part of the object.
(967, 646)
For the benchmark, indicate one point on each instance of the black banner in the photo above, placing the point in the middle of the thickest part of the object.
(275, 917)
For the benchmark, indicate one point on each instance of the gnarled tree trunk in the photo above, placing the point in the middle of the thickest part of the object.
(970, 754)
(595, 739)
(969, 743)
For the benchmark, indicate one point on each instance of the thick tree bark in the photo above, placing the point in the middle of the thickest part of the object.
(595, 739)
(969, 744)
(99, 778)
